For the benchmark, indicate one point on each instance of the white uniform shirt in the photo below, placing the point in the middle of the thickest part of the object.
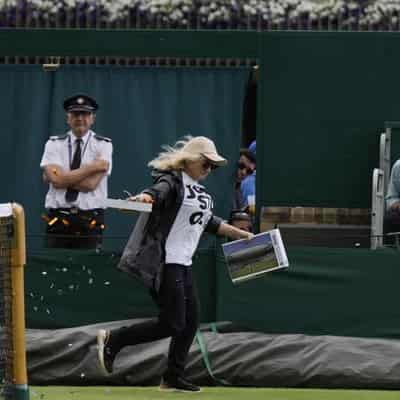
(190, 222)
(60, 151)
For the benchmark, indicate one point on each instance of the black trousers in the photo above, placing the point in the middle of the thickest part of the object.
(179, 318)
(391, 223)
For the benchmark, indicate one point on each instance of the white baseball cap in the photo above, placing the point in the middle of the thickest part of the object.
(205, 147)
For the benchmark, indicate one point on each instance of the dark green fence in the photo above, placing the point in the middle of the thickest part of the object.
(345, 292)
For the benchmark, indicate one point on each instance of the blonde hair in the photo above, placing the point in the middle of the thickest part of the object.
(174, 157)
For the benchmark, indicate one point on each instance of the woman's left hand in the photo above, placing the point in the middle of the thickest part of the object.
(247, 235)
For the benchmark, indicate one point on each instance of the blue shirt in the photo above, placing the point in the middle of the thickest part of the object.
(253, 146)
(248, 187)
(393, 193)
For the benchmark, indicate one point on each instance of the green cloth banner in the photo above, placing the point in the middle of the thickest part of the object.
(140, 109)
(344, 292)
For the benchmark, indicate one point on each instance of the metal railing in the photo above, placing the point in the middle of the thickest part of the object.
(91, 14)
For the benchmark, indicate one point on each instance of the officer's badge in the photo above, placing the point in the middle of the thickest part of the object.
(80, 100)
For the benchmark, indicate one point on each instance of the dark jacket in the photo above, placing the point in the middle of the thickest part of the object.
(144, 254)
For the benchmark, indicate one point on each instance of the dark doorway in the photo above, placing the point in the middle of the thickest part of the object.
(249, 119)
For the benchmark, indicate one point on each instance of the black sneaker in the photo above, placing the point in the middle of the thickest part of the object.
(178, 384)
(105, 353)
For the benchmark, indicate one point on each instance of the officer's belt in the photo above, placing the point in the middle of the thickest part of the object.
(77, 211)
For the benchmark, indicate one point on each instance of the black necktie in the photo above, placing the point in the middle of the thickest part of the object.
(72, 194)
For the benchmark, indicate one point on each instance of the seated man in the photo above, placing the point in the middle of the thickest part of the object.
(245, 167)
(392, 216)
(248, 185)
(242, 220)
(76, 167)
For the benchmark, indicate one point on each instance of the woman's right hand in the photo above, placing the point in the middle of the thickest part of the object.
(142, 197)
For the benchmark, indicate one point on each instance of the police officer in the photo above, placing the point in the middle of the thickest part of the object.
(76, 167)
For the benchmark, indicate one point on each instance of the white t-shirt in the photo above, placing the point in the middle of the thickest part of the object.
(190, 222)
(60, 152)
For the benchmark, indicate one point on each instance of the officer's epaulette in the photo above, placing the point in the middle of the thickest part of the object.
(106, 139)
(61, 137)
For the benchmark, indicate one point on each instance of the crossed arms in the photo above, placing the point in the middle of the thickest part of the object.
(84, 179)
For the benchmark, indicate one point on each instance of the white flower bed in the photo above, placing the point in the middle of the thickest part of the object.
(210, 13)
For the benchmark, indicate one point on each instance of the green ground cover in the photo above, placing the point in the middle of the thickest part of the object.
(207, 393)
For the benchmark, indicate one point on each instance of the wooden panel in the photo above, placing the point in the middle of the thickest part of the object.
(271, 216)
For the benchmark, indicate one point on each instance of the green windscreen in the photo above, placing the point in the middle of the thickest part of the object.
(140, 110)
(324, 99)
